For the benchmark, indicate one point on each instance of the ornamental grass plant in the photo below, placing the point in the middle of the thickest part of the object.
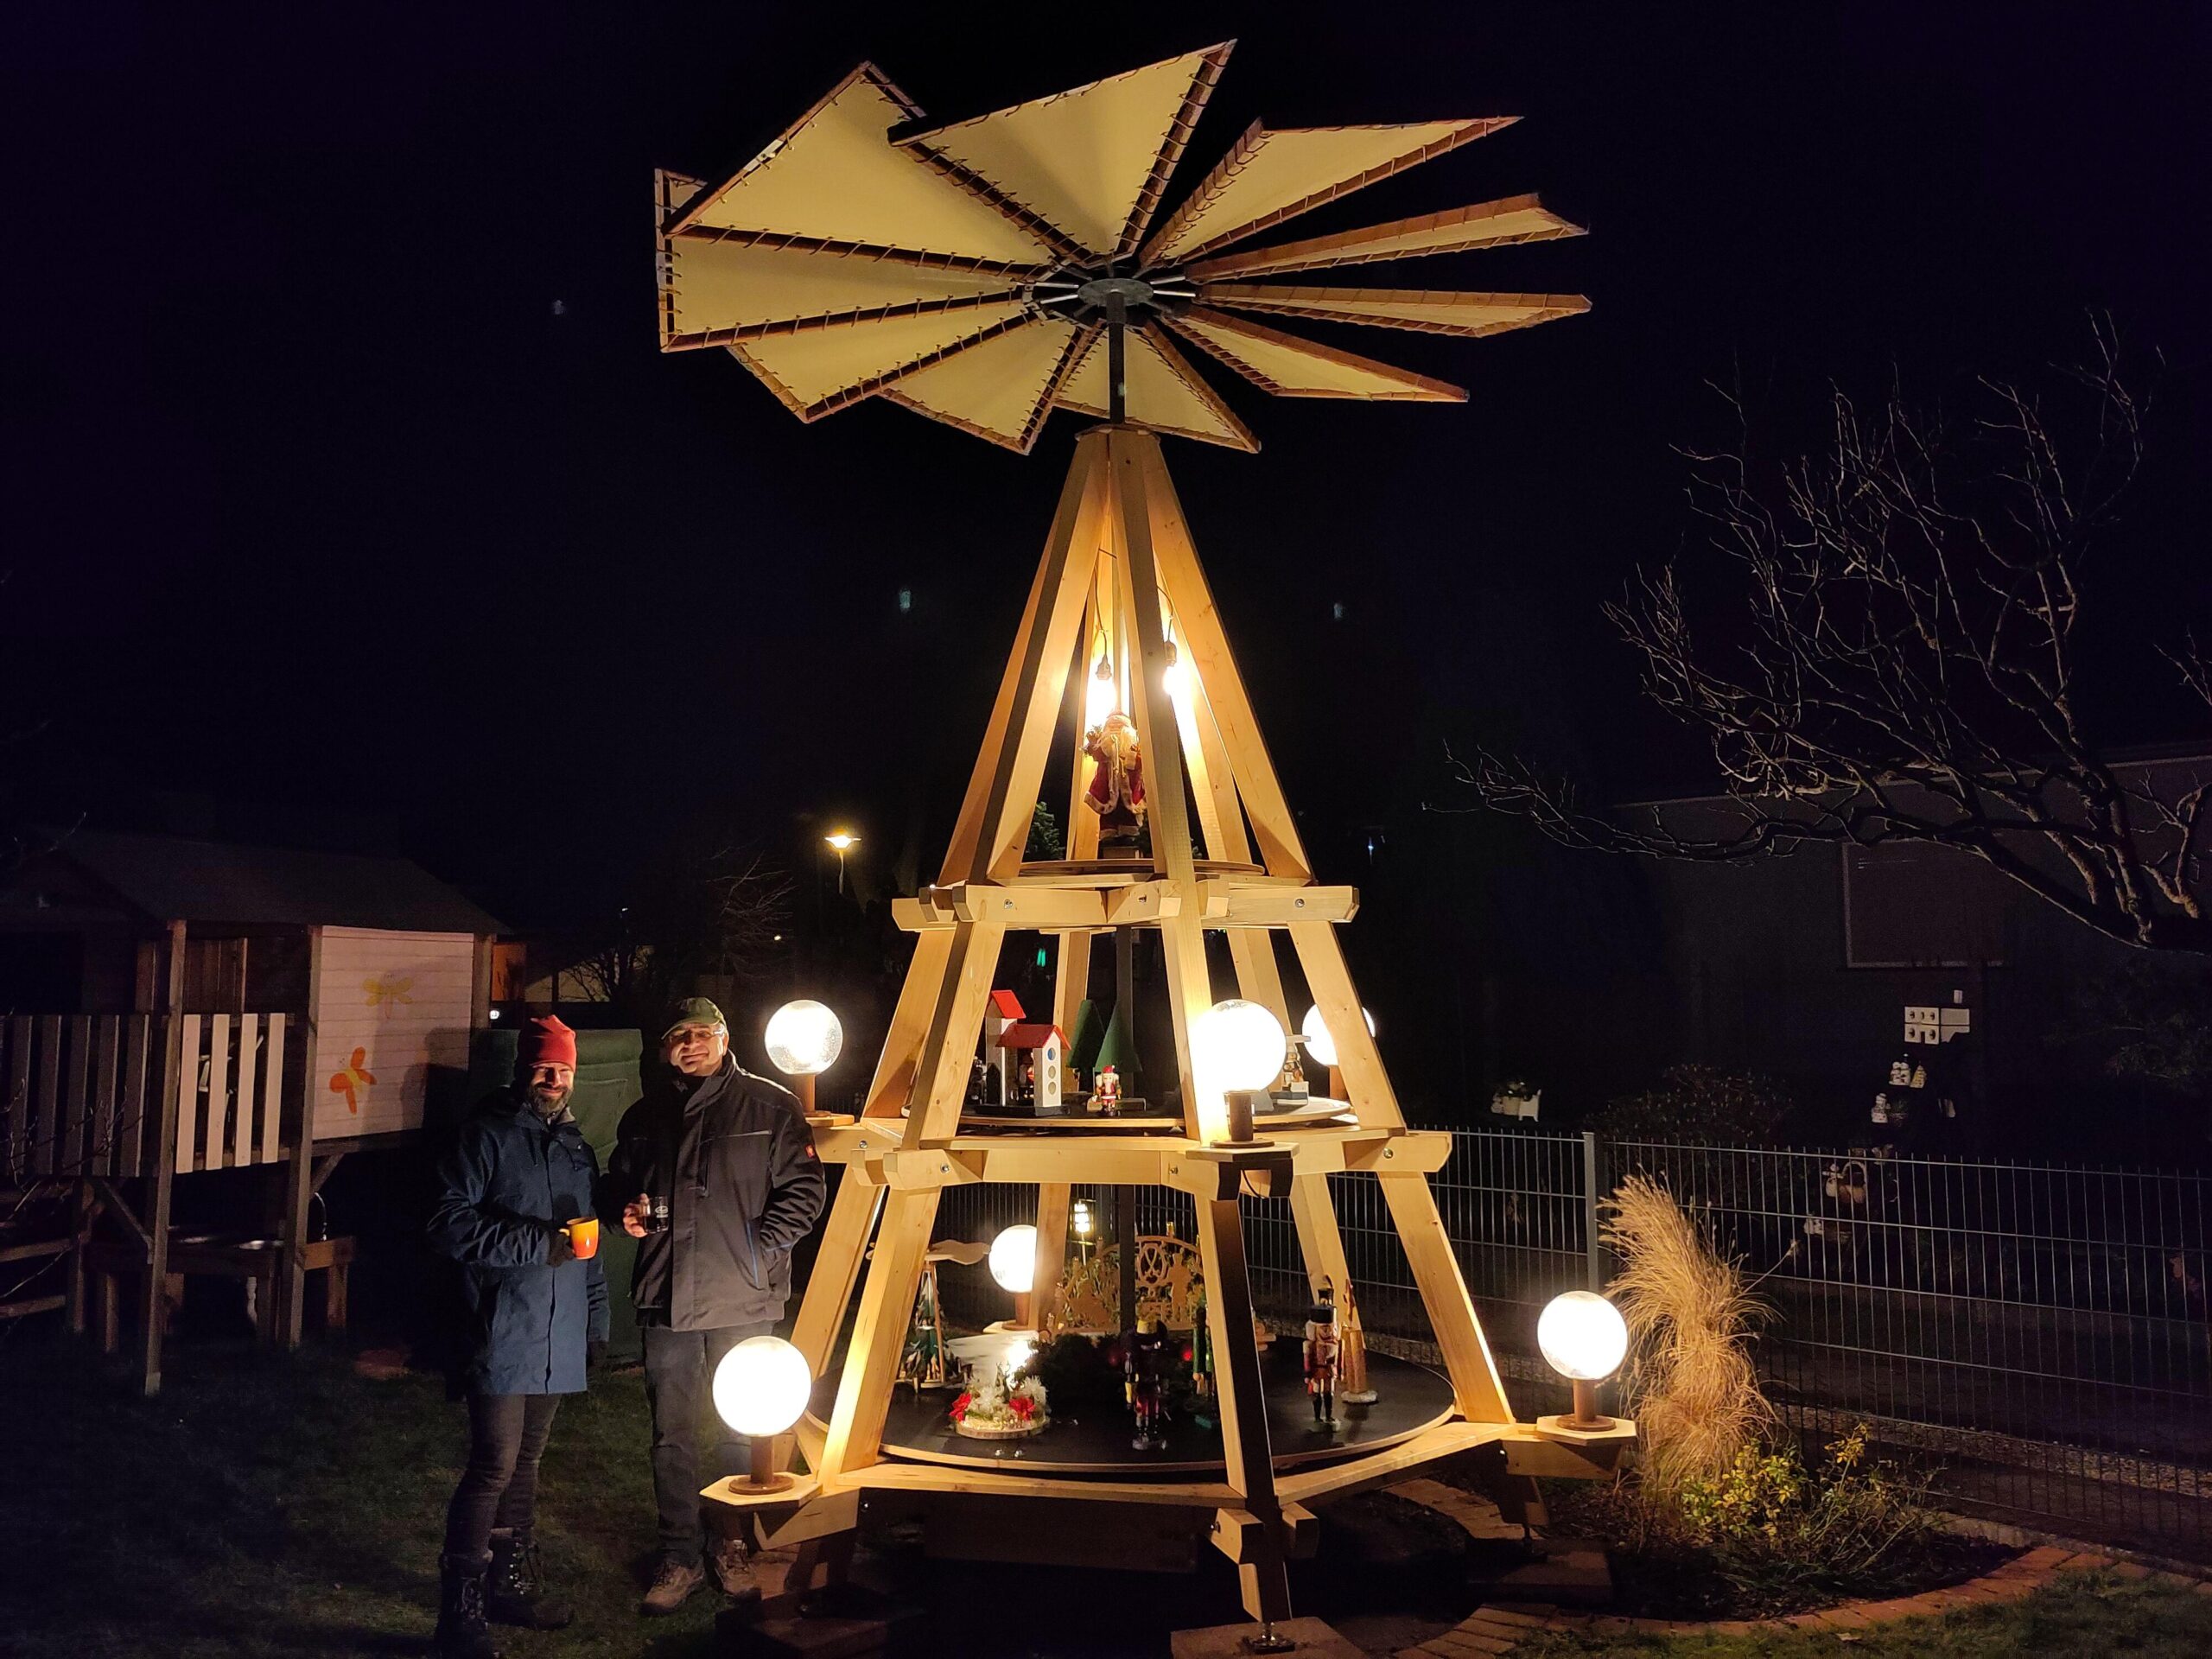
(1723, 1513)
(1691, 1315)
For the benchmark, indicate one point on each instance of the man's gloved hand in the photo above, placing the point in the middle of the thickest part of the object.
(596, 1357)
(558, 1249)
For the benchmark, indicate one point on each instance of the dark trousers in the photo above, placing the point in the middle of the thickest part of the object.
(506, 1437)
(679, 1382)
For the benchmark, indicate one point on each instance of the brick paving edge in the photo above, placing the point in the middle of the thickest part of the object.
(2024, 1574)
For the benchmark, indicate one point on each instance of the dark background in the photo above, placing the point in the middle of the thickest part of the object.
(350, 497)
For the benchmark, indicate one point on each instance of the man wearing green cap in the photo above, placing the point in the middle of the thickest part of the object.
(713, 1173)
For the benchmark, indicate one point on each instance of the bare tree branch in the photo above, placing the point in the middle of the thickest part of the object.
(1897, 658)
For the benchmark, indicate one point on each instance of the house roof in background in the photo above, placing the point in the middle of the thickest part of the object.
(172, 878)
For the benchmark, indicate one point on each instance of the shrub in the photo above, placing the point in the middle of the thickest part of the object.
(1700, 1104)
(1691, 1385)
(1773, 1526)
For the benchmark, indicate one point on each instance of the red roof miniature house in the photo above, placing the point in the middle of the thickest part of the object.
(1047, 1047)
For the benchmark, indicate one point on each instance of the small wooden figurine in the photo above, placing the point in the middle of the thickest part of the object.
(1352, 1387)
(1144, 1383)
(1322, 1352)
(1116, 792)
(1106, 1093)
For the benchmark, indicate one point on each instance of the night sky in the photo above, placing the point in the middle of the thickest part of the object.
(348, 481)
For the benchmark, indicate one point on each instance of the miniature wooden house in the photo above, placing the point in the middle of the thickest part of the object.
(1038, 1053)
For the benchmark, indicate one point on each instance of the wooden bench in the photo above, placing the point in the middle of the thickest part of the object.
(259, 1260)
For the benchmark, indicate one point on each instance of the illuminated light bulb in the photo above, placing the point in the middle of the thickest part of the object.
(1582, 1335)
(1173, 679)
(1321, 1045)
(762, 1386)
(842, 839)
(1099, 699)
(1235, 1044)
(1014, 1258)
(803, 1038)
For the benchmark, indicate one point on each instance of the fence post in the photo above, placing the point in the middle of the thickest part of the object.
(1590, 1211)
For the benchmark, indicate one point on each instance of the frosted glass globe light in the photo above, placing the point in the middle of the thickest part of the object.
(1237, 1045)
(1014, 1258)
(762, 1386)
(803, 1038)
(1318, 1043)
(1583, 1336)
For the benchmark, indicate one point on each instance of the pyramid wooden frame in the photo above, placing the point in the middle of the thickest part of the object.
(1119, 577)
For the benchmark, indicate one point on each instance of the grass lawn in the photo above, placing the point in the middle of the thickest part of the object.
(271, 1504)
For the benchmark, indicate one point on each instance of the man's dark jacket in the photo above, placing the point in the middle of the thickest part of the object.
(734, 1157)
(501, 1191)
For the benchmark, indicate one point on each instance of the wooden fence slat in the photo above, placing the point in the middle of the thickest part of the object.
(130, 1110)
(77, 1111)
(102, 1123)
(187, 1094)
(18, 1105)
(272, 1093)
(47, 1145)
(219, 1092)
(242, 1142)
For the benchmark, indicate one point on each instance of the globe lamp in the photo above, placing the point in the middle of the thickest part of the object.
(1321, 1045)
(802, 1038)
(760, 1388)
(1584, 1339)
(1236, 1048)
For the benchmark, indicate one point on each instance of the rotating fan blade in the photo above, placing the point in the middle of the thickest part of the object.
(1267, 177)
(718, 293)
(833, 177)
(1429, 312)
(1292, 368)
(824, 369)
(1089, 162)
(1161, 391)
(1000, 389)
(1486, 225)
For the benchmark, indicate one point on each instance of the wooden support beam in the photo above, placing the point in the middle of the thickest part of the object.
(837, 1267)
(1367, 1085)
(162, 1175)
(1053, 1201)
(1229, 903)
(1252, 773)
(893, 1079)
(1190, 990)
(1475, 1383)
(956, 1026)
(855, 1432)
(1263, 1579)
(299, 1168)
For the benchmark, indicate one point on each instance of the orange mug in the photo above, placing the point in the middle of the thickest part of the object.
(583, 1236)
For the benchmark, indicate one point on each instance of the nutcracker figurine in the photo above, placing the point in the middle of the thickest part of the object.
(1144, 1383)
(1106, 1090)
(1322, 1350)
(1201, 1348)
(1351, 1362)
(1116, 792)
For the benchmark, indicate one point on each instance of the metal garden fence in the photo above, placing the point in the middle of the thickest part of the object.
(2039, 1335)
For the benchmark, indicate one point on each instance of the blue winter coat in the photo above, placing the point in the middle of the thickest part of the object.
(509, 1178)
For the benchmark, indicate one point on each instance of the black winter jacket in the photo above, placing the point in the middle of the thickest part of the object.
(736, 1161)
(501, 1188)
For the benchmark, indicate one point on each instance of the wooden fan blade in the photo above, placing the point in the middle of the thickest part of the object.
(1485, 224)
(1429, 312)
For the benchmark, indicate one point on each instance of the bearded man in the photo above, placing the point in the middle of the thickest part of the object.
(713, 1173)
(507, 1193)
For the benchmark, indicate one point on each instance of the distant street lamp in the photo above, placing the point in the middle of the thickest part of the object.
(842, 841)
(802, 1038)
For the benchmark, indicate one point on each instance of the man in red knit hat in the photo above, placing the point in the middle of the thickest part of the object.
(513, 1207)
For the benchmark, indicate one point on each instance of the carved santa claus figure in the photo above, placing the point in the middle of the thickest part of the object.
(1116, 792)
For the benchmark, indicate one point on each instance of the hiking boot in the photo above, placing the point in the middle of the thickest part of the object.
(673, 1587)
(515, 1589)
(462, 1632)
(727, 1559)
